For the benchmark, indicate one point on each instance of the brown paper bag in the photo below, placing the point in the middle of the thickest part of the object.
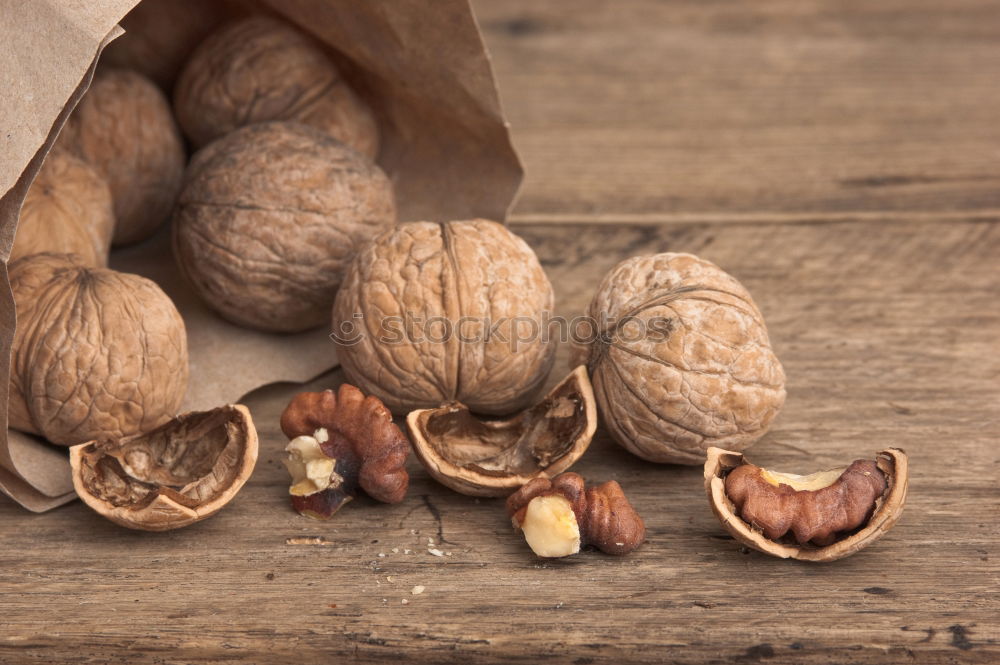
(422, 65)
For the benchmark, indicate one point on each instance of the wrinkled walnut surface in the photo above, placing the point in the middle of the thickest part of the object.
(492, 457)
(97, 353)
(269, 218)
(891, 464)
(606, 518)
(424, 271)
(709, 379)
(369, 449)
(260, 69)
(177, 474)
(124, 128)
(67, 210)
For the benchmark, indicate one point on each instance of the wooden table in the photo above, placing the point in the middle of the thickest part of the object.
(841, 159)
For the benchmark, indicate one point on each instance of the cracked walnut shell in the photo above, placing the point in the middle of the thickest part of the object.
(681, 360)
(454, 312)
(67, 210)
(260, 69)
(823, 516)
(180, 473)
(269, 217)
(96, 353)
(124, 128)
(494, 457)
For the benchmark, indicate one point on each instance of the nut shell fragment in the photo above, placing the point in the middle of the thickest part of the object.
(177, 474)
(888, 507)
(494, 457)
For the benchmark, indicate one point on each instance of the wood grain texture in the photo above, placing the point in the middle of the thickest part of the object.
(793, 143)
(807, 108)
(889, 335)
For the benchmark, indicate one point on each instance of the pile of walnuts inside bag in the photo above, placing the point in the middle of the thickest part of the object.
(282, 221)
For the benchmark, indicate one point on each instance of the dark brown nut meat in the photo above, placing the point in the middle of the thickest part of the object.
(67, 211)
(494, 457)
(822, 516)
(340, 443)
(96, 354)
(180, 473)
(682, 359)
(123, 127)
(270, 217)
(451, 312)
(260, 69)
(559, 515)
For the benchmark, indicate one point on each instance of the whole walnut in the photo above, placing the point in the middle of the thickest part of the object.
(259, 69)
(433, 313)
(681, 360)
(269, 217)
(96, 353)
(67, 210)
(124, 128)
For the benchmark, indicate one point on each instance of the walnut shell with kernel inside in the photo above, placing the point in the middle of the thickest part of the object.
(123, 127)
(269, 217)
(67, 211)
(453, 312)
(260, 69)
(180, 473)
(681, 359)
(96, 353)
(823, 516)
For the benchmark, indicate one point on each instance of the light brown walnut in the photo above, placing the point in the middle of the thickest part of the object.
(124, 128)
(259, 69)
(269, 218)
(180, 473)
(682, 359)
(453, 312)
(67, 210)
(96, 353)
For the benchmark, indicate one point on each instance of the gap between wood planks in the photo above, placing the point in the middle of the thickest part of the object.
(722, 218)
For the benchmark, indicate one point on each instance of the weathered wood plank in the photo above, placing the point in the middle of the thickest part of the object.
(802, 107)
(890, 335)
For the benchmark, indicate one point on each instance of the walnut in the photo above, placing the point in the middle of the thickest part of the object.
(681, 360)
(161, 34)
(67, 210)
(822, 516)
(124, 128)
(559, 515)
(96, 353)
(339, 444)
(259, 69)
(180, 473)
(455, 312)
(268, 219)
(493, 457)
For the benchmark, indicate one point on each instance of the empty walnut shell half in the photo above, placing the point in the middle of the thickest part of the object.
(495, 457)
(823, 516)
(175, 475)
